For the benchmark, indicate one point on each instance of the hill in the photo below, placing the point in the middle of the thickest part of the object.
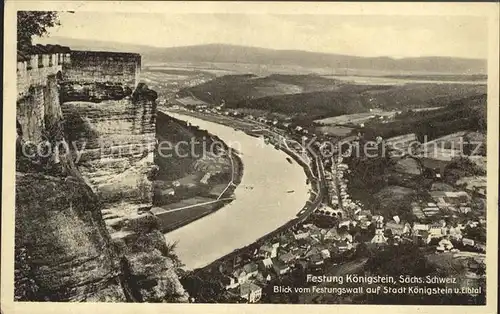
(236, 88)
(317, 97)
(242, 54)
(464, 114)
(222, 53)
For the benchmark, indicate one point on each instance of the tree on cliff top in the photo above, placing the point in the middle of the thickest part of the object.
(33, 23)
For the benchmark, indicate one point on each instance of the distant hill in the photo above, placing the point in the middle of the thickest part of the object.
(93, 45)
(463, 114)
(222, 53)
(318, 97)
(233, 89)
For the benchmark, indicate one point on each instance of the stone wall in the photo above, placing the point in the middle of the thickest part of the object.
(30, 112)
(100, 66)
(73, 244)
(39, 109)
(34, 72)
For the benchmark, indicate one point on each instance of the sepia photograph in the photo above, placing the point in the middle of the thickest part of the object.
(206, 153)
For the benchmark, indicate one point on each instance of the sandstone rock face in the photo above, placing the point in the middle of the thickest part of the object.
(119, 140)
(155, 278)
(116, 139)
(65, 249)
(62, 242)
(148, 262)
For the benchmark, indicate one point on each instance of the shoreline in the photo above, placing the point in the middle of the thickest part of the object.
(223, 200)
(311, 204)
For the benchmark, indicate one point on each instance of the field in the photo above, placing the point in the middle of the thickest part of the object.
(356, 119)
(246, 87)
(321, 97)
(464, 114)
(170, 220)
(333, 130)
(167, 81)
(406, 79)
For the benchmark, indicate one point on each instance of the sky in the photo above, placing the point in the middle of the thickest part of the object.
(369, 36)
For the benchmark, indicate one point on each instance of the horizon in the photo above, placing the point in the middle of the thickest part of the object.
(53, 40)
(375, 36)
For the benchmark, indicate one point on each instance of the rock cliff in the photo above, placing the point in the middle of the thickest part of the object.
(62, 247)
(81, 232)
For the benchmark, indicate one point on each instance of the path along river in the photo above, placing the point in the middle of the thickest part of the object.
(263, 203)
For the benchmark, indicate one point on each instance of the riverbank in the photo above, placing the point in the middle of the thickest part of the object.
(186, 210)
(271, 193)
(316, 183)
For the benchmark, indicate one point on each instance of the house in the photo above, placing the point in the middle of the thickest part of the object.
(436, 231)
(444, 245)
(398, 228)
(268, 251)
(430, 211)
(325, 253)
(345, 222)
(438, 197)
(379, 237)
(472, 264)
(251, 269)
(457, 198)
(280, 268)
(267, 263)
(250, 292)
(472, 224)
(240, 275)
(205, 178)
(301, 235)
(481, 247)
(466, 241)
(364, 214)
(455, 233)
(334, 234)
(316, 259)
(464, 209)
(229, 282)
(299, 252)
(364, 224)
(342, 246)
(312, 251)
(420, 227)
(314, 231)
(287, 258)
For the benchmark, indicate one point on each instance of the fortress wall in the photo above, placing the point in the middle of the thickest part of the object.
(100, 66)
(34, 72)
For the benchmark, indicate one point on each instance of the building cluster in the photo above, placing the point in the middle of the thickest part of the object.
(311, 246)
(195, 105)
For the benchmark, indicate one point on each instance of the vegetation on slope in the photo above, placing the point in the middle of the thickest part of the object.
(320, 97)
(466, 114)
(233, 89)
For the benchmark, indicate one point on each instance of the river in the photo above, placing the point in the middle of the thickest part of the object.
(263, 200)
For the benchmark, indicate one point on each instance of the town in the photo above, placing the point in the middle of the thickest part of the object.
(447, 221)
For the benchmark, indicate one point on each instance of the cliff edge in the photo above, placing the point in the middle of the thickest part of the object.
(65, 250)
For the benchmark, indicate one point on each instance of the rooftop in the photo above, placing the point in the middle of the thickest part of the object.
(248, 287)
(24, 53)
(83, 53)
